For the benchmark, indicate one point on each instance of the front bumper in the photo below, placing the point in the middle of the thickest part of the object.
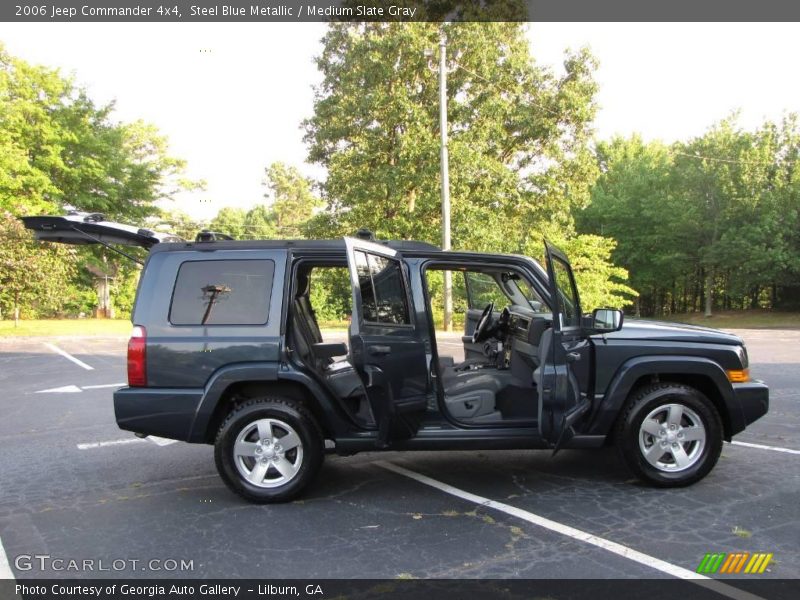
(753, 399)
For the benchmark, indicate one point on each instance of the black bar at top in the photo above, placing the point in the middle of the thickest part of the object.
(399, 10)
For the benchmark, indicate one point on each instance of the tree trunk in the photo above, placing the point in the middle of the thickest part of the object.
(708, 292)
(16, 315)
(756, 292)
(672, 303)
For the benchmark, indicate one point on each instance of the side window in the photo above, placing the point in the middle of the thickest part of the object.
(567, 294)
(222, 292)
(483, 289)
(383, 296)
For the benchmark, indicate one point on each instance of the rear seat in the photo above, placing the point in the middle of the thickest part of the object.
(340, 375)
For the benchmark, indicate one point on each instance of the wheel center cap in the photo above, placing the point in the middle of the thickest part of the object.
(269, 453)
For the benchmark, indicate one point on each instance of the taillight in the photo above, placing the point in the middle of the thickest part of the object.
(137, 357)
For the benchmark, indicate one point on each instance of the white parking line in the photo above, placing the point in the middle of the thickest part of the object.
(68, 356)
(90, 445)
(74, 389)
(763, 447)
(158, 441)
(577, 534)
(5, 568)
(105, 385)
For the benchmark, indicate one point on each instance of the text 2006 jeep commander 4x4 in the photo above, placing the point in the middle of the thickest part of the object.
(226, 350)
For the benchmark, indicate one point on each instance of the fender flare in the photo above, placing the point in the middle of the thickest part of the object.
(633, 369)
(229, 375)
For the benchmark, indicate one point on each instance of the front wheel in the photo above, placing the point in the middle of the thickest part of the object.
(670, 435)
(268, 449)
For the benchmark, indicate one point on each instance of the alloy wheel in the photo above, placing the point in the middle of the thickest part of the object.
(672, 438)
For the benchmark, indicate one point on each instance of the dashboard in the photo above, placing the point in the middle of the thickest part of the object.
(525, 329)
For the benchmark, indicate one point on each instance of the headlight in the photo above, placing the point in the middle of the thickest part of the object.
(743, 359)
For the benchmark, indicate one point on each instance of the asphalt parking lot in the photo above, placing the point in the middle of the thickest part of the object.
(75, 487)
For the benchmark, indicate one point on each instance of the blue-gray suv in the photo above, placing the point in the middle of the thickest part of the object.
(227, 350)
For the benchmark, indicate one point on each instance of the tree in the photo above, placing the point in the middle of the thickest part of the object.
(57, 149)
(704, 224)
(519, 135)
(33, 276)
(260, 223)
(178, 223)
(231, 221)
(635, 203)
(292, 201)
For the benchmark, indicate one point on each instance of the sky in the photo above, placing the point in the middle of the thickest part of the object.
(231, 96)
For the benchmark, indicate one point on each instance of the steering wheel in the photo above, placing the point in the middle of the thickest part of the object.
(484, 324)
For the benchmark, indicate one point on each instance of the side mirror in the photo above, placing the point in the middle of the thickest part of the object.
(606, 320)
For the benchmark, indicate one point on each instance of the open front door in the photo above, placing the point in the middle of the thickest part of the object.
(566, 361)
(385, 345)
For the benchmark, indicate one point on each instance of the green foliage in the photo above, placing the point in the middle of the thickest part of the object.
(123, 290)
(600, 281)
(32, 275)
(231, 221)
(178, 223)
(290, 206)
(59, 150)
(293, 202)
(520, 159)
(518, 143)
(709, 223)
(331, 295)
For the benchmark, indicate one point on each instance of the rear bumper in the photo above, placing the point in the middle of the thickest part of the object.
(753, 399)
(168, 413)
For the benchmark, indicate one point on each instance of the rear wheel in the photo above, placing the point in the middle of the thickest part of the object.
(670, 435)
(268, 449)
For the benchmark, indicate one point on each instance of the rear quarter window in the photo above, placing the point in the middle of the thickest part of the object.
(222, 292)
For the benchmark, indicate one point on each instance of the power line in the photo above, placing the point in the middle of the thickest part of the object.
(716, 159)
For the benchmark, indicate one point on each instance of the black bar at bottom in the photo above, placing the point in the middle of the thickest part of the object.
(393, 589)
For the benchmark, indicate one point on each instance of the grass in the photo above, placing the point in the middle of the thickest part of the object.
(52, 327)
(740, 319)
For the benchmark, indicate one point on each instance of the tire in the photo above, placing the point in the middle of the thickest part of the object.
(269, 449)
(669, 435)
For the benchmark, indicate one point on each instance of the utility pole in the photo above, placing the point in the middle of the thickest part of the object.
(448, 278)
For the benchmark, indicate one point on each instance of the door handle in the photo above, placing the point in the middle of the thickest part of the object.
(379, 350)
(573, 356)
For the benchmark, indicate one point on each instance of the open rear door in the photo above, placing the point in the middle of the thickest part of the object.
(385, 345)
(92, 228)
(561, 401)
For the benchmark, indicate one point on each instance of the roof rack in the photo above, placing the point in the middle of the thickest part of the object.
(211, 236)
